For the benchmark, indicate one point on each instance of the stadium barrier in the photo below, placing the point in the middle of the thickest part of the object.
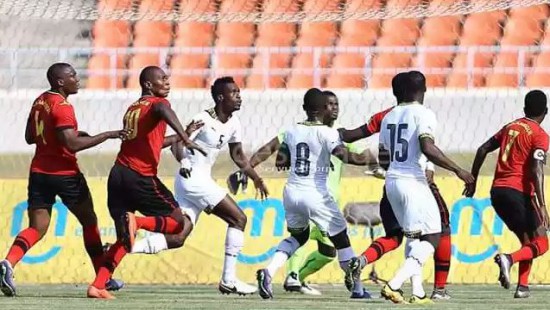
(477, 235)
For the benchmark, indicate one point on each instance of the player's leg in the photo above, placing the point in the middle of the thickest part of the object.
(328, 217)
(442, 255)
(519, 215)
(227, 210)
(41, 197)
(416, 210)
(294, 263)
(297, 219)
(316, 260)
(387, 243)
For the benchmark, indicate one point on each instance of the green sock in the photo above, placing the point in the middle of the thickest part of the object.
(296, 260)
(314, 262)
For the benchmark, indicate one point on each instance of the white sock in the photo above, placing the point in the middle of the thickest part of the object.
(417, 288)
(420, 251)
(344, 256)
(286, 249)
(234, 241)
(151, 244)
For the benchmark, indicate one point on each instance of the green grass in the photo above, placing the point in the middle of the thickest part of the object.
(207, 297)
(17, 166)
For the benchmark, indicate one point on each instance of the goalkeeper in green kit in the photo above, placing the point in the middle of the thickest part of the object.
(301, 266)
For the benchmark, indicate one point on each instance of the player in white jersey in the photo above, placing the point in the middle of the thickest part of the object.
(309, 146)
(196, 190)
(407, 133)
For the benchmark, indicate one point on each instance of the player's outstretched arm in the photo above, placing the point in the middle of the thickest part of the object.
(436, 156)
(383, 157)
(239, 158)
(489, 146)
(169, 116)
(263, 153)
(341, 152)
(537, 169)
(191, 128)
(352, 135)
(73, 141)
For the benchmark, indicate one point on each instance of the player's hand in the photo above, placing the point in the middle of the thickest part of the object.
(235, 180)
(260, 187)
(379, 173)
(193, 126)
(185, 168)
(429, 176)
(469, 182)
(120, 134)
(192, 146)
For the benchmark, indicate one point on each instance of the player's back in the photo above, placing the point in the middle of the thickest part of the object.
(141, 150)
(400, 131)
(518, 140)
(310, 146)
(51, 112)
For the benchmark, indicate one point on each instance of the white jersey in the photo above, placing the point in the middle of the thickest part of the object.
(400, 132)
(310, 146)
(212, 137)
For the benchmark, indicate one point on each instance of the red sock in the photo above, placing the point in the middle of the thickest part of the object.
(161, 224)
(533, 249)
(524, 271)
(93, 245)
(112, 259)
(22, 243)
(442, 261)
(380, 247)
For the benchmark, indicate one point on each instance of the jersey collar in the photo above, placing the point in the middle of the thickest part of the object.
(308, 123)
(212, 113)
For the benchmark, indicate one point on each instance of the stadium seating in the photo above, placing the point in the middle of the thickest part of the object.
(475, 50)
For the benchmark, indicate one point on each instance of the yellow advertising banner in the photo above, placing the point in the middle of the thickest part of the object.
(477, 235)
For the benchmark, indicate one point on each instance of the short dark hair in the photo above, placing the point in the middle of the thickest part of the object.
(219, 83)
(314, 99)
(535, 103)
(329, 93)
(399, 85)
(54, 72)
(146, 74)
(416, 82)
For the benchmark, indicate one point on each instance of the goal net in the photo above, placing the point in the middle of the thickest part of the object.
(480, 57)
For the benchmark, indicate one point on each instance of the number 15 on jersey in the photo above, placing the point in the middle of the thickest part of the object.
(396, 139)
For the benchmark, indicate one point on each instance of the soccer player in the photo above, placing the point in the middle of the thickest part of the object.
(407, 134)
(133, 184)
(309, 146)
(54, 171)
(517, 193)
(299, 266)
(199, 192)
(394, 233)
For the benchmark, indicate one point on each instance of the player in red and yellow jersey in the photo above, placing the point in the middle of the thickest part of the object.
(54, 171)
(394, 233)
(133, 184)
(517, 193)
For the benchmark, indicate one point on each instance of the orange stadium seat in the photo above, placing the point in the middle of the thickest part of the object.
(301, 79)
(344, 61)
(276, 61)
(459, 76)
(435, 61)
(102, 62)
(105, 6)
(111, 33)
(535, 12)
(408, 31)
(138, 62)
(442, 30)
(480, 31)
(393, 62)
(540, 77)
(522, 31)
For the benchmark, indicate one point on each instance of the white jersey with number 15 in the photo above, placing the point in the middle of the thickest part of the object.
(400, 132)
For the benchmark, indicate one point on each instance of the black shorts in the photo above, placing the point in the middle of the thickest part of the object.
(129, 191)
(390, 223)
(43, 188)
(516, 209)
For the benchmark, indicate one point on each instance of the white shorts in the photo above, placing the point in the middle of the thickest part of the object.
(305, 205)
(414, 206)
(196, 194)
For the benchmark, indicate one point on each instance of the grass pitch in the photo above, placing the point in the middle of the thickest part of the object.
(207, 297)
